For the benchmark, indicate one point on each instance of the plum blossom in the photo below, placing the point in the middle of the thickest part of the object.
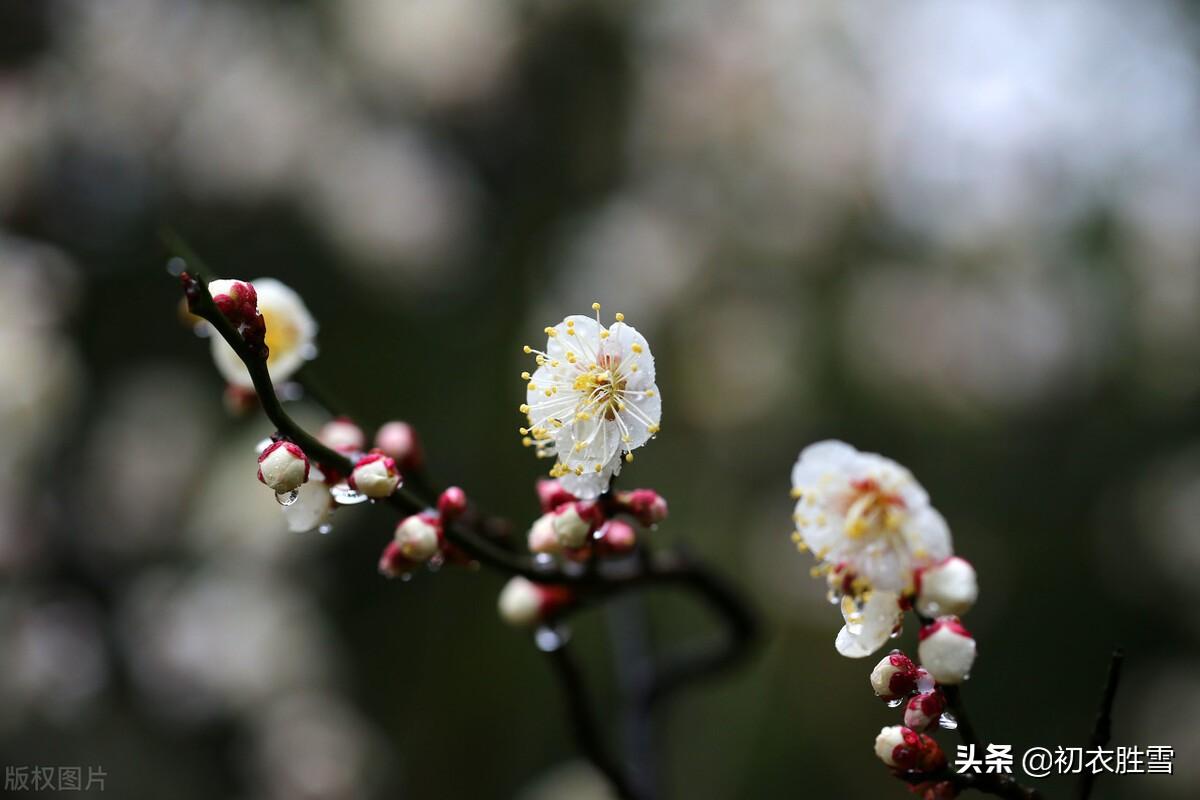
(871, 527)
(591, 401)
(290, 333)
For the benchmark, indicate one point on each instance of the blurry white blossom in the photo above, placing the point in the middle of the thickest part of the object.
(291, 335)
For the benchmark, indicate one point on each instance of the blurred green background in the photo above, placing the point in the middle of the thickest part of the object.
(962, 235)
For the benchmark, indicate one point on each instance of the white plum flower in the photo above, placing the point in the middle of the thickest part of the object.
(591, 401)
(871, 526)
(290, 337)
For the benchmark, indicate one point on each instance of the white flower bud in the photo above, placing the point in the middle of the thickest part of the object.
(924, 709)
(572, 529)
(948, 587)
(947, 650)
(893, 745)
(417, 537)
(894, 676)
(520, 602)
(542, 536)
(283, 467)
(342, 435)
(375, 476)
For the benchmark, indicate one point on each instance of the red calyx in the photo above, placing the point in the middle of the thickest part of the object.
(951, 623)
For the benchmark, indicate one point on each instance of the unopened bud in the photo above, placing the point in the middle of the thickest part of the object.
(551, 495)
(542, 536)
(645, 505)
(393, 563)
(523, 603)
(948, 587)
(617, 536)
(947, 650)
(374, 475)
(417, 537)
(400, 441)
(237, 300)
(283, 467)
(904, 749)
(895, 676)
(342, 435)
(570, 525)
(924, 709)
(452, 503)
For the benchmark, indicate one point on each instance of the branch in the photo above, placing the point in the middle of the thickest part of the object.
(1102, 731)
(587, 735)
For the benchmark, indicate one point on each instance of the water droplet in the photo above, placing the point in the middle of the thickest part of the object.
(896, 703)
(948, 721)
(325, 529)
(405, 577)
(549, 639)
(286, 499)
(176, 266)
(345, 496)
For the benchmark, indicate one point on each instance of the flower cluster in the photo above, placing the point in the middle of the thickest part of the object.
(873, 531)
(591, 401)
(421, 538)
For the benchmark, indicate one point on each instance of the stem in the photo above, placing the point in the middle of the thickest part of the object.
(1102, 731)
(579, 711)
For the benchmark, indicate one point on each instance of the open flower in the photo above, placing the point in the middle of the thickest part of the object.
(871, 526)
(591, 401)
(290, 334)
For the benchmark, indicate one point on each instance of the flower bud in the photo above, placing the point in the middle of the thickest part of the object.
(924, 709)
(645, 505)
(542, 537)
(616, 536)
(283, 467)
(904, 749)
(523, 602)
(400, 441)
(895, 676)
(342, 435)
(418, 537)
(947, 650)
(551, 495)
(374, 475)
(237, 300)
(570, 524)
(452, 503)
(393, 563)
(948, 587)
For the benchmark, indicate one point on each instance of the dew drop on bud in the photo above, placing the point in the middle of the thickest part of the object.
(325, 529)
(345, 496)
(896, 703)
(549, 639)
(543, 562)
(948, 721)
(286, 499)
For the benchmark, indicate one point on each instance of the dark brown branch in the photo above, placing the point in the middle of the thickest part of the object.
(1102, 731)
(583, 722)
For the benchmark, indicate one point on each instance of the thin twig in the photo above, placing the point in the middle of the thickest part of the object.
(1102, 731)
(586, 729)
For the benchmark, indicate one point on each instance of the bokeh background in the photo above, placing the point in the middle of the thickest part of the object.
(961, 234)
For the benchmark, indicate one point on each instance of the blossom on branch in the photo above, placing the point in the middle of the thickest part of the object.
(283, 467)
(290, 330)
(871, 527)
(591, 402)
